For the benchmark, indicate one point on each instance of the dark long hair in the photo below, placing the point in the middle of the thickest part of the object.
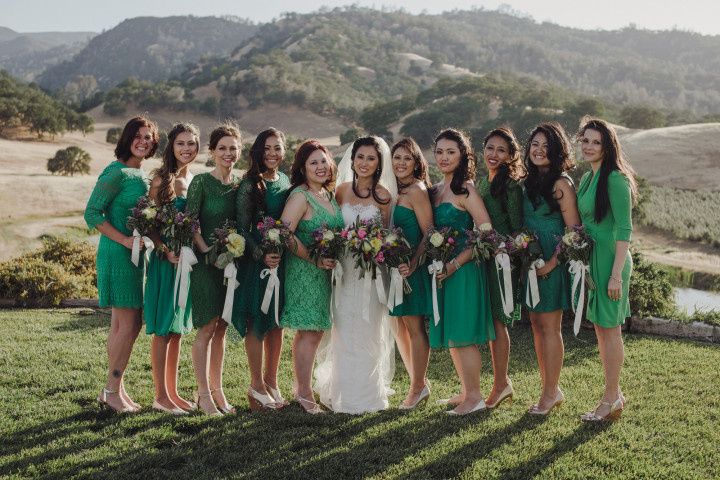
(132, 127)
(420, 171)
(169, 167)
(368, 142)
(224, 130)
(560, 155)
(256, 157)
(612, 159)
(297, 171)
(512, 169)
(466, 169)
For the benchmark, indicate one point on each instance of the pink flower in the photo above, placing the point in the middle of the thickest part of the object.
(361, 234)
(380, 257)
(344, 233)
(451, 240)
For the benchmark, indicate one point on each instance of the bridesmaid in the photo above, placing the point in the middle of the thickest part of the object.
(311, 204)
(212, 197)
(163, 320)
(605, 200)
(549, 205)
(413, 213)
(465, 316)
(119, 281)
(502, 194)
(262, 192)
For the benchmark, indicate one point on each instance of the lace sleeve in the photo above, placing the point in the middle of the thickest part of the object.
(106, 189)
(515, 206)
(245, 211)
(195, 195)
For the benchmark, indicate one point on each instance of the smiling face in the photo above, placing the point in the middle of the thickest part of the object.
(142, 143)
(403, 164)
(317, 168)
(447, 155)
(496, 152)
(538, 150)
(591, 145)
(227, 152)
(185, 148)
(274, 153)
(366, 161)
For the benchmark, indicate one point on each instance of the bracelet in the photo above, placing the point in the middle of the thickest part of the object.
(612, 277)
(455, 262)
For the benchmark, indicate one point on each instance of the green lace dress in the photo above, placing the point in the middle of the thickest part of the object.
(214, 203)
(307, 287)
(549, 227)
(506, 216)
(118, 188)
(249, 298)
(419, 301)
(616, 226)
(463, 299)
(160, 317)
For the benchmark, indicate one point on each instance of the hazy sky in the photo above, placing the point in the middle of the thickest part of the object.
(95, 15)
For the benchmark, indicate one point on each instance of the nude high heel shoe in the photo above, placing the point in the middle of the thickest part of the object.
(616, 409)
(507, 393)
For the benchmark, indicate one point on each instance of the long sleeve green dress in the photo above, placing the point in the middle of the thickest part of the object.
(615, 226)
(118, 188)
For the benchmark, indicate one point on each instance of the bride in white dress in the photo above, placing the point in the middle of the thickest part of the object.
(357, 362)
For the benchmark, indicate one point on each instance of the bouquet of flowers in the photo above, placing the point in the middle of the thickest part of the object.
(177, 227)
(327, 243)
(439, 246)
(486, 242)
(528, 252)
(396, 250)
(227, 245)
(141, 221)
(275, 235)
(576, 246)
(365, 239)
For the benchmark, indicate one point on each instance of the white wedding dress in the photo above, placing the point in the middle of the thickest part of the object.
(356, 362)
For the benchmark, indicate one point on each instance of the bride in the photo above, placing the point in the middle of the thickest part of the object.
(357, 363)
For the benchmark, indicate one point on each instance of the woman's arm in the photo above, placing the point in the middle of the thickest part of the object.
(621, 208)
(567, 199)
(108, 186)
(420, 201)
(194, 205)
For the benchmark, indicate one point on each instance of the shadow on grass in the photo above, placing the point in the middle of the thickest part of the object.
(80, 322)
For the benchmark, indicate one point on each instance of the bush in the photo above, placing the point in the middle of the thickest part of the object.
(350, 135)
(60, 269)
(69, 161)
(113, 135)
(651, 292)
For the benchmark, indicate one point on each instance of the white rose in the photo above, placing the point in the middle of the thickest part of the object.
(274, 235)
(519, 240)
(149, 213)
(485, 227)
(366, 247)
(236, 244)
(569, 238)
(328, 235)
(392, 238)
(436, 239)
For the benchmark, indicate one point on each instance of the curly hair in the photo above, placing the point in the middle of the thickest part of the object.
(420, 171)
(226, 129)
(466, 169)
(513, 168)
(132, 127)
(368, 142)
(256, 157)
(561, 157)
(297, 171)
(169, 167)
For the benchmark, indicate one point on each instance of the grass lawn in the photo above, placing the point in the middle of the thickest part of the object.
(52, 366)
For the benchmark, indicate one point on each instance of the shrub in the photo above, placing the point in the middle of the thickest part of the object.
(350, 135)
(69, 161)
(113, 135)
(651, 292)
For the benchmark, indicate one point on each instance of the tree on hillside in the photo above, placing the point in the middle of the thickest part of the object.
(113, 135)
(69, 161)
(642, 116)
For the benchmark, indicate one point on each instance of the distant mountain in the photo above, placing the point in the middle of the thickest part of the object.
(345, 59)
(148, 48)
(25, 55)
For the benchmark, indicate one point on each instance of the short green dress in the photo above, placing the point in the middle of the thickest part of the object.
(616, 226)
(464, 298)
(307, 287)
(549, 227)
(118, 188)
(506, 216)
(249, 298)
(214, 203)
(160, 317)
(419, 301)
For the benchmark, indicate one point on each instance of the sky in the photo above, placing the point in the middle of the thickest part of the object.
(702, 16)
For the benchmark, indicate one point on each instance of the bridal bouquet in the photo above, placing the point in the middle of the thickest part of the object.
(396, 250)
(439, 246)
(365, 239)
(141, 221)
(326, 243)
(275, 235)
(528, 252)
(177, 227)
(227, 245)
(488, 243)
(575, 248)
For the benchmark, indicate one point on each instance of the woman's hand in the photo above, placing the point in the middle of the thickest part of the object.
(127, 242)
(547, 268)
(171, 257)
(326, 263)
(614, 288)
(272, 260)
(451, 267)
(406, 269)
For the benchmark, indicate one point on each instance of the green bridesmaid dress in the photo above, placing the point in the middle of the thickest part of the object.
(214, 203)
(464, 298)
(307, 287)
(249, 298)
(419, 301)
(161, 318)
(118, 188)
(506, 216)
(615, 226)
(549, 227)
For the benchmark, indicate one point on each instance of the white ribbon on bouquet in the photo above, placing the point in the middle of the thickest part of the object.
(578, 270)
(230, 274)
(272, 289)
(135, 252)
(379, 289)
(395, 295)
(434, 268)
(336, 280)
(502, 264)
(532, 292)
(182, 276)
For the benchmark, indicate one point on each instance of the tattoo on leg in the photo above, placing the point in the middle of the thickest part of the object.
(116, 373)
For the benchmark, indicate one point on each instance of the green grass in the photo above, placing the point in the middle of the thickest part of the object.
(52, 366)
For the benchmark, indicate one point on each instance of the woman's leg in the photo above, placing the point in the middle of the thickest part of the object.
(217, 358)
(201, 365)
(124, 329)
(500, 354)
(305, 345)
(171, 371)
(254, 352)
(158, 362)
(273, 349)
(549, 325)
(468, 363)
(419, 355)
(612, 354)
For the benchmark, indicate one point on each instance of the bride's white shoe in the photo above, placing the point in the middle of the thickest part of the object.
(480, 406)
